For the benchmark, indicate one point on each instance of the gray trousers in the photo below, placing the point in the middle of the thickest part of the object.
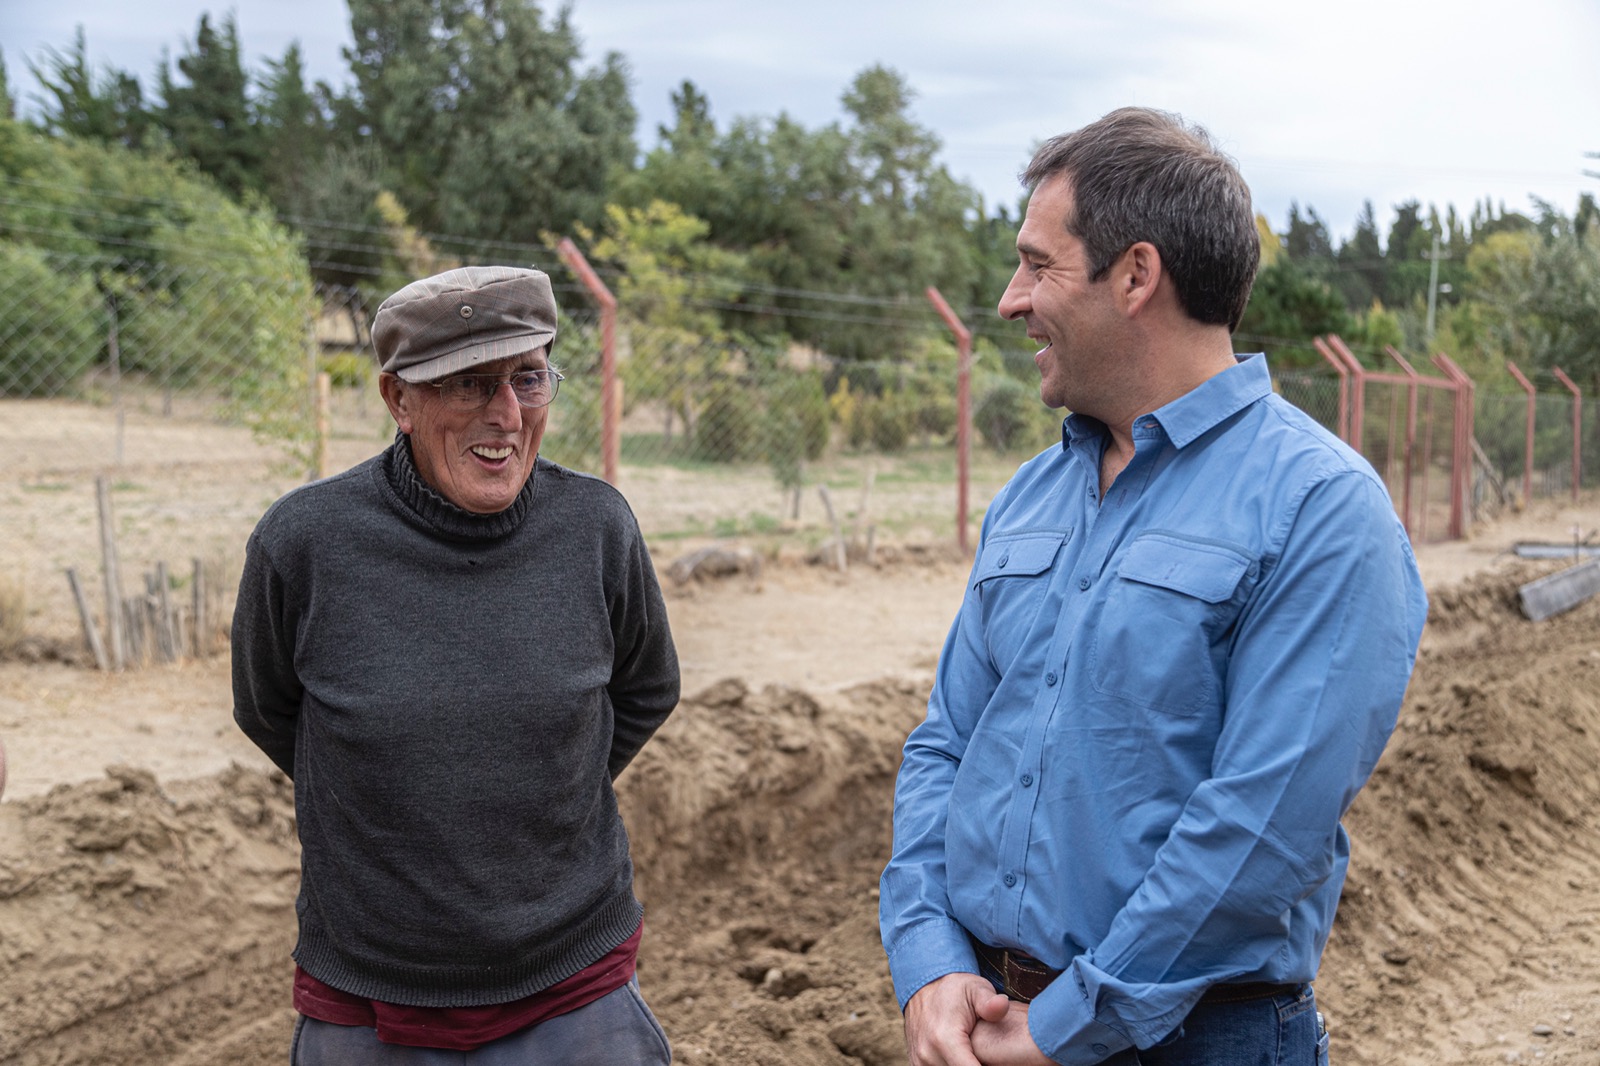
(615, 1030)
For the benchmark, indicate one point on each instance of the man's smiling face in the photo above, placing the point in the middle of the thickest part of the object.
(478, 459)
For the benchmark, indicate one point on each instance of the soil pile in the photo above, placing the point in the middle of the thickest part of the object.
(148, 922)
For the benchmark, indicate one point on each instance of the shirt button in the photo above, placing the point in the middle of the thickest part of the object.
(1027, 780)
(1050, 679)
(1099, 1049)
(1004, 559)
(1010, 880)
(1084, 583)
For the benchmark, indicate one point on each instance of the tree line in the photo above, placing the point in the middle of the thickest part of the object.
(475, 130)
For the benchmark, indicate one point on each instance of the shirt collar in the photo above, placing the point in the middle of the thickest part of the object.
(1195, 412)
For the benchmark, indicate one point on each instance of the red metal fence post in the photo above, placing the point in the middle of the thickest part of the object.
(1577, 427)
(1461, 460)
(963, 408)
(610, 393)
(1527, 448)
(1411, 434)
(1358, 391)
(1344, 386)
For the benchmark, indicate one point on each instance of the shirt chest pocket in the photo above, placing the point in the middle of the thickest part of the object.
(1161, 638)
(1011, 579)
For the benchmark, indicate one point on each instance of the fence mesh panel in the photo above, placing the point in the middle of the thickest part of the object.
(194, 391)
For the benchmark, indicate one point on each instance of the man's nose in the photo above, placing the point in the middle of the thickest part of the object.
(1014, 301)
(503, 408)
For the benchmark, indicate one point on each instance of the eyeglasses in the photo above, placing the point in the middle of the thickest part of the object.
(532, 388)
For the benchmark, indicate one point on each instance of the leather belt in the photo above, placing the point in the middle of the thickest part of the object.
(1025, 977)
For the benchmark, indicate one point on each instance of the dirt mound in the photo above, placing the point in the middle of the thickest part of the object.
(1474, 864)
(142, 924)
(147, 923)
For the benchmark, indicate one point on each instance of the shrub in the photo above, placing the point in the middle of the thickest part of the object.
(52, 323)
(727, 430)
(349, 370)
(1004, 411)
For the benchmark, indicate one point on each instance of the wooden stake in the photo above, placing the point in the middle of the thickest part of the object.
(180, 629)
(91, 632)
(838, 531)
(133, 630)
(113, 579)
(202, 632)
(324, 419)
(167, 626)
(861, 511)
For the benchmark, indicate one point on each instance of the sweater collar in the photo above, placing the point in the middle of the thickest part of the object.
(438, 513)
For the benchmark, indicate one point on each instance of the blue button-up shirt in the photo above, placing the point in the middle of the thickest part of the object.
(1151, 713)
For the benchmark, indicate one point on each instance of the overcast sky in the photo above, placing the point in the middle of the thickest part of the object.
(1324, 104)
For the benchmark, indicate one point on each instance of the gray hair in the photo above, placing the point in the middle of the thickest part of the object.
(1144, 175)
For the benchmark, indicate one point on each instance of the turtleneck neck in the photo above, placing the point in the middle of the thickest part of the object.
(438, 513)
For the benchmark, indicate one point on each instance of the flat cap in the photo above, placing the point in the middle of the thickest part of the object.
(463, 318)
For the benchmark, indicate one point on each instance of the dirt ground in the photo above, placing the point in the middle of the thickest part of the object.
(148, 862)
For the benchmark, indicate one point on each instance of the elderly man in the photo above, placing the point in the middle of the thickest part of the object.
(453, 649)
(1183, 647)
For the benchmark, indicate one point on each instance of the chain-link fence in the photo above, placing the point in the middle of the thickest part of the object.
(201, 395)
(203, 391)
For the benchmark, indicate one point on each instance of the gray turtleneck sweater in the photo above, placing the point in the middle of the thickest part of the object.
(453, 695)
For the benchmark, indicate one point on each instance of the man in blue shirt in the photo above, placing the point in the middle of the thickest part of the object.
(1182, 649)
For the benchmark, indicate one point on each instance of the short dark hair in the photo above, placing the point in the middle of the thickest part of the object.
(1144, 175)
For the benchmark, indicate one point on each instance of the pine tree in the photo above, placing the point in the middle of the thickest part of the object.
(208, 118)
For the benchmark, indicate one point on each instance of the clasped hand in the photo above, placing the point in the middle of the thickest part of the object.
(960, 1020)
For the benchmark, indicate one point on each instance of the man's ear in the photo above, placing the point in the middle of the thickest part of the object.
(399, 398)
(1138, 274)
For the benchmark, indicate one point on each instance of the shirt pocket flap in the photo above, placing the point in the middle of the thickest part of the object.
(1018, 556)
(1208, 572)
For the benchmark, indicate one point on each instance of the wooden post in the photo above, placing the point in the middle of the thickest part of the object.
(134, 629)
(114, 350)
(861, 511)
(113, 579)
(91, 633)
(838, 531)
(180, 630)
(171, 649)
(324, 420)
(202, 632)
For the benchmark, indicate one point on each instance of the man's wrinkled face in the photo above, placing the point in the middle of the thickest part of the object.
(478, 459)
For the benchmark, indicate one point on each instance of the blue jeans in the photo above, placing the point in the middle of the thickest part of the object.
(615, 1030)
(1283, 1030)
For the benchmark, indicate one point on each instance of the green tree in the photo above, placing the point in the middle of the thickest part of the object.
(205, 292)
(1306, 241)
(109, 107)
(858, 213)
(1288, 307)
(51, 323)
(208, 116)
(295, 130)
(671, 281)
(485, 125)
(1406, 265)
(1360, 261)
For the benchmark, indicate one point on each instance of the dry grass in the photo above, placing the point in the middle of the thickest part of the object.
(13, 616)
